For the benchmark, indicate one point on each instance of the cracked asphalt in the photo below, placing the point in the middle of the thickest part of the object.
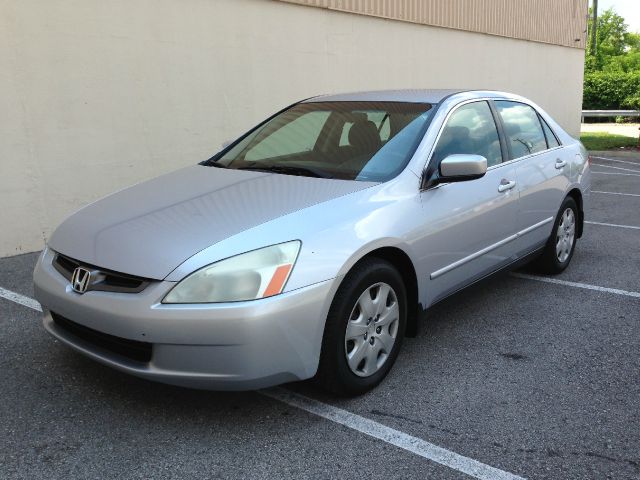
(536, 379)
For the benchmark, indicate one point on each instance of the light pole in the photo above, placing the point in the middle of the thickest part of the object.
(594, 28)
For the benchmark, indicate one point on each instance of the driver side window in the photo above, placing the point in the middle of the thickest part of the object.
(470, 129)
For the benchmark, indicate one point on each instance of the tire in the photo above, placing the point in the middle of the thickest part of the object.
(364, 328)
(559, 249)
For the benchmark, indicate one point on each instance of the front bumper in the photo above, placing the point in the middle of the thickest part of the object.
(230, 346)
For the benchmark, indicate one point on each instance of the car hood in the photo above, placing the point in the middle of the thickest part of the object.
(151, 228)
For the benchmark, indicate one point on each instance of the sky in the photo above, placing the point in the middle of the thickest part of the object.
(628, 9)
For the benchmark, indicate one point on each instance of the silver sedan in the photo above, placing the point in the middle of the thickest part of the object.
(311, 245)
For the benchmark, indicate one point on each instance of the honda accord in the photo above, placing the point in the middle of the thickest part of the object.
(311, 245)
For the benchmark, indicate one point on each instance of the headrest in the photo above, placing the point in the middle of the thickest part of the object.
(364, 135)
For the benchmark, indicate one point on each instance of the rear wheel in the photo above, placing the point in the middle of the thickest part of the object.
(561, 244)
(364, 330)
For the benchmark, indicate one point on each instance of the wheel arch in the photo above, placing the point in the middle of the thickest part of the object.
(400, 260)
(576, 194)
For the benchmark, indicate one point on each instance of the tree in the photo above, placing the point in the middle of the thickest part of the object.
(612, 65)
(612, 40)
(629, 61)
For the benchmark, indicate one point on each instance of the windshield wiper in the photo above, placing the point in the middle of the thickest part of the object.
(213, 163)
(290, 170)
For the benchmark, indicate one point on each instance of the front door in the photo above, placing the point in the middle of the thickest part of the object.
(469, 226)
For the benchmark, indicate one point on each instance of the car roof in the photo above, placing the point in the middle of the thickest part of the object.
(410, 96)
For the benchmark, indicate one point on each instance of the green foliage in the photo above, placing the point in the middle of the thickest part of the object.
(612, 74)
(606, 141)
(633, 40)
(610, 90)
(632, 102)
(629, 62)
(611, 36)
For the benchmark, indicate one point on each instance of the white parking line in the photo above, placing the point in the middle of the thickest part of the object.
(617, 173)
(617, 193)
(374, 429)
(616, 168)
(390, 435)
(631, 227)
(586, 286)
(616, 160)
(21, 299)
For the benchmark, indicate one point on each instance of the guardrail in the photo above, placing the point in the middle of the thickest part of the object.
(610, 113)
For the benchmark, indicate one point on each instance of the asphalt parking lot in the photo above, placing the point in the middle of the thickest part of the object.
(515, 377)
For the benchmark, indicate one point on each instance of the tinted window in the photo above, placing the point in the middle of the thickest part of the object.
(368, 141)
(552, 141)
(522, 128)
(470, 129)
(297, 136)
(380, 119)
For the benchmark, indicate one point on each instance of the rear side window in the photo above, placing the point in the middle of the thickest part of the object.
(552, 141)
(470, 129)
(522, 128)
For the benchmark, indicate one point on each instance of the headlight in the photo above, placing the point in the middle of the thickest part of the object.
(256, 274)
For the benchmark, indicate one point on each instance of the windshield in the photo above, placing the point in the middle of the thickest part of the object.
(366, 141)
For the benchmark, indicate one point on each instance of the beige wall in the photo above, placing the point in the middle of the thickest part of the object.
(96, 95)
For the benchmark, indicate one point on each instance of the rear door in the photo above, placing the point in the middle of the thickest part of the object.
(469, 226)
(541, 171)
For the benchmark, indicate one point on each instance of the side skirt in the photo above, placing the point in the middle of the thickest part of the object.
(519, 262)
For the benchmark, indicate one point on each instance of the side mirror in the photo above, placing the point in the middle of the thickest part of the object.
(459, 168)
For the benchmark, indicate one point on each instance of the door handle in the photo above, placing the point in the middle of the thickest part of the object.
(560, 163)
(506, 185)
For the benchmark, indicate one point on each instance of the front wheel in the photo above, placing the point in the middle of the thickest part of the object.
(364, 330)
(561, 244)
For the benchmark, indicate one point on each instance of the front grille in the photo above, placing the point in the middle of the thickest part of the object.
(104, 280)
(131, 349)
